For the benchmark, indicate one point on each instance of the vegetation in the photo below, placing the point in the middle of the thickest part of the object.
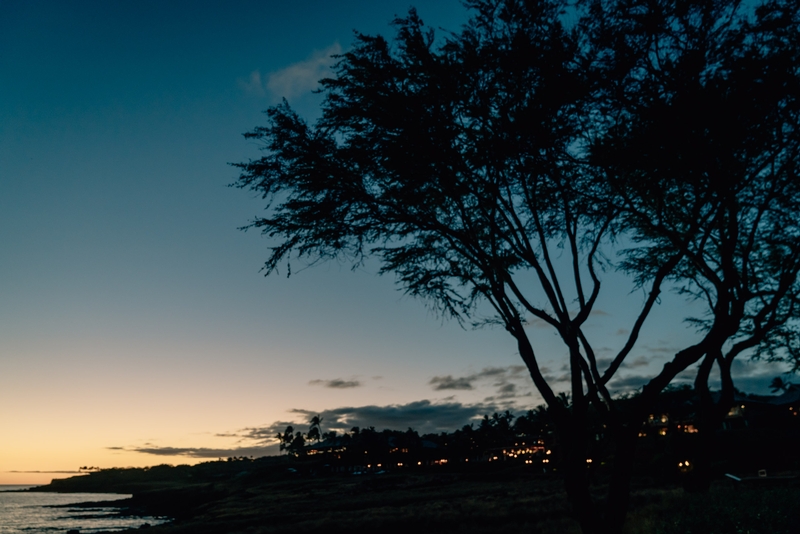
(500, 167)
(496, 476)
(257, 498)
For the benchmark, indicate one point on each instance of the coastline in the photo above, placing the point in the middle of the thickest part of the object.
(280, 497)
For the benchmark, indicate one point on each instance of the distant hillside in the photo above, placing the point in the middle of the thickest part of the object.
(142, 479)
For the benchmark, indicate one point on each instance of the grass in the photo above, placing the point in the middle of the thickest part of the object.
(725, 509)
(467, 502)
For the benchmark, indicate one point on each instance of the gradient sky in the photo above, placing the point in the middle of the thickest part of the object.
(135, 326)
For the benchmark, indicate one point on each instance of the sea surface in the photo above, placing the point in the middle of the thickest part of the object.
(33, 513)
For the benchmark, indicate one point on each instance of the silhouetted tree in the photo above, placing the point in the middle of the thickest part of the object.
(701, 155)
(525, 149)
(297, 446)
(329, 435)
(285, 439)
(314, 430)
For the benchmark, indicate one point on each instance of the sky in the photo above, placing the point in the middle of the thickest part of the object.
(135, 325)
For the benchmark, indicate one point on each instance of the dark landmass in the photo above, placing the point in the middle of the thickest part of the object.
(279, 495)
(500, 476)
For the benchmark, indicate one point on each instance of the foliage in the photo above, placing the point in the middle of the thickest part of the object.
(502, 164)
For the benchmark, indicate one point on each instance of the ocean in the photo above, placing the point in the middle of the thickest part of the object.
(31, 513)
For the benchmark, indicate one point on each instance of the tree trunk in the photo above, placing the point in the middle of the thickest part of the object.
(572, 454)
(620, 486)
(710, 418)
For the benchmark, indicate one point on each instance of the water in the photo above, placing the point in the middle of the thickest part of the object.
(30, 513)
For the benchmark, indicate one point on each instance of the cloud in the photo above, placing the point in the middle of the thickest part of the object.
(628, 383)
(505, 392)
(203, 452)
(627, 363)
(336, 383)
(302, 77)
(423, 416)
(262, 434)
(507, 380)
(639, 361)
(253, 85)
(448, 382)
(500, 374)
(507, 389)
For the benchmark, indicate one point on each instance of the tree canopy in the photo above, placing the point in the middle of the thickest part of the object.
(659, 138)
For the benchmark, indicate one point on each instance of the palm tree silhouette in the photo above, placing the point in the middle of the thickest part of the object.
(315, 428)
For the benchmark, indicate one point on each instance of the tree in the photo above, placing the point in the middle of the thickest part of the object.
(315, 428)
(703, 163)
(285, 439)
(504, 158)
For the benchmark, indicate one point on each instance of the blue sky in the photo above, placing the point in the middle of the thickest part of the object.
(133, 317)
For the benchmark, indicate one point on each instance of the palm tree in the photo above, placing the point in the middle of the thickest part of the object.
(286, 438)
(315, 428)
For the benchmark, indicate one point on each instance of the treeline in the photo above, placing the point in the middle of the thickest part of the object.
(750, 440)
(747, 440)
(497, 430)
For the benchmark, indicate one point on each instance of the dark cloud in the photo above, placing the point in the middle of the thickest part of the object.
(448, 382)
(555, 379)
(639, 361)
(748, 375)
(203, 452)
(507, 391)
(602, 363)
(336, 383)
(517, 370)
(630, 363)
(501, 376)
(262, 434)
(507, 388)
(423, 416)
(752, 376)
(631, 382)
